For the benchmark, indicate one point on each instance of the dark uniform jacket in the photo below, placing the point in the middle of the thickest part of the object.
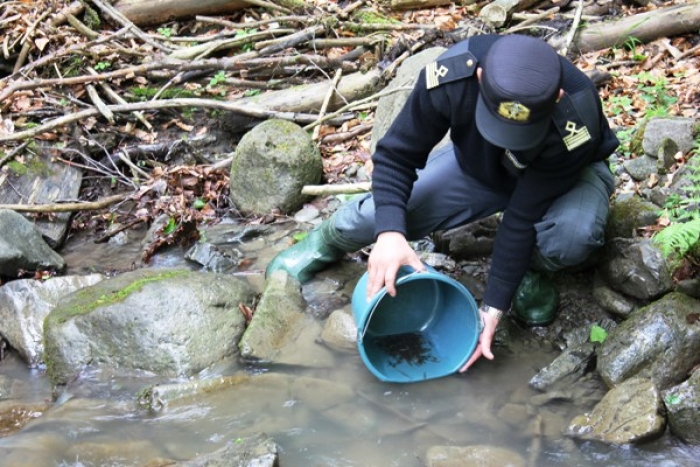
(579, 135)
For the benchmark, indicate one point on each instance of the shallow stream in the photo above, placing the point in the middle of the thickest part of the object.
(336, 414)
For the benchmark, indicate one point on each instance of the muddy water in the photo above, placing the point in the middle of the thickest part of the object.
(336, 414)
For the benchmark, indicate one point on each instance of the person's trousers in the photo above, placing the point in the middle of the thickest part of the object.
(444, 197)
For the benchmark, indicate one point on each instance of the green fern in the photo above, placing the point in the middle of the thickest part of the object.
(678, 238)
(683, 211)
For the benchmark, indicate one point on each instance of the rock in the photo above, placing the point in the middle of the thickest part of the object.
(611, 301)
(629, 214)
(253, 451)
(641, 167)
(474, 240)
(660, 341)
(636, 268)
(679, 130)
(23, 248)
(212, 258)
(271, 165)
(13, 415)
(683, 409)
(340, 331)
(630, 413)
(25, 303)
(170, 322)
(281, 331)
(566, 369)
(472, 456)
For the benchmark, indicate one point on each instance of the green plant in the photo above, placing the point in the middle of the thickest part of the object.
(243, 33)
(218, 78)
(653, 91)
(102, 66)
(683, 212)
(598, 334)
(631, 44)
(165, 32)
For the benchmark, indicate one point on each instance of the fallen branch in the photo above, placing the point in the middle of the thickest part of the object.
(156, 105)
(66, 207)
(337, 189)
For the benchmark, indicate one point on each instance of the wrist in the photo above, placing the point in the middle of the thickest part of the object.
(491, 311)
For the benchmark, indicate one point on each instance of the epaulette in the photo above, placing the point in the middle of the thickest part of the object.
(450, 69)
(572, 128)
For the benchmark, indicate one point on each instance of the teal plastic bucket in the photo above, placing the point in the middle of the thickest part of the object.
(429, 330)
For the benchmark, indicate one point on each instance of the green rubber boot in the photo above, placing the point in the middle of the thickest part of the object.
(320, 248)
(536, 300)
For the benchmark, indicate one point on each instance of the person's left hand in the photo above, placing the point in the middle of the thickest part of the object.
(483, 348)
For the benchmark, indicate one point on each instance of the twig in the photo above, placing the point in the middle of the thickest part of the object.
(574, 28)
(354, 105)
(124, 21)
(117, 99)
(337, 189)
(81, 27)
(99, 104)
(332, 89)
(10, 155)
(122, 228)
(165, 104)
(339, 137)
(269, 5)
(529, 19)
(536, 445)
(66, 207)
(27, 46)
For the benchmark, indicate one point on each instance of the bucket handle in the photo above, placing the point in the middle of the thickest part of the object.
(398, 282)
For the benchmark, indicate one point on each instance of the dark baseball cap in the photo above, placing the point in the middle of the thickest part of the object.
(520, 81)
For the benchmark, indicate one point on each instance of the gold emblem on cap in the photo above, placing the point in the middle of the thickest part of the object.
(433, 74)
(576, 136)
(514, 111)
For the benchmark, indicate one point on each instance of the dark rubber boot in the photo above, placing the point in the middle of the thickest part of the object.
(536, 300)
(321, 247)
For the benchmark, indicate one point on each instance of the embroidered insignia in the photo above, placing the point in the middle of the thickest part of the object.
(433, 74)
(514, 111)
(576, 136)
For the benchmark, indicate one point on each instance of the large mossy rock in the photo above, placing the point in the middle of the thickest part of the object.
(271, 165)
(683, 408)
(660, 341)
(169, 322)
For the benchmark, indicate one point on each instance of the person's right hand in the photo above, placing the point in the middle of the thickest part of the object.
(390, 252)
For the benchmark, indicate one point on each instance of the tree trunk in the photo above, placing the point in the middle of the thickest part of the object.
(498, 12)
(149, 12)
(410, 4)
(645, 27)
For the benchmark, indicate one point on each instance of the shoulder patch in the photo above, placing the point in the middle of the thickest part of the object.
(571, 126)
(450, 69)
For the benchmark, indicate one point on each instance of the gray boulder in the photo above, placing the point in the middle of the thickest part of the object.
(660, 341)
(271, 165)
(678, 130)
(169, 322)
(636, 268)
(683, 409)
(25, 303)
(23, 248)
(630, 413)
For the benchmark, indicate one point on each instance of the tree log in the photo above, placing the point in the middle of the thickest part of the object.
(415, 4)
(150, 12)
(645, 27)
(498, 12)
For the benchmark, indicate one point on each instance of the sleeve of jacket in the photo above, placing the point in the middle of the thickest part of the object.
(405, 147)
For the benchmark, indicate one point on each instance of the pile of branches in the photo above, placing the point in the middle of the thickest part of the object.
(89, 80)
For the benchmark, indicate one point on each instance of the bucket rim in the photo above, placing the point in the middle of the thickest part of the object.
(429, 273)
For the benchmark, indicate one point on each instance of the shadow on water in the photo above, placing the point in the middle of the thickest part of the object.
(330, 414)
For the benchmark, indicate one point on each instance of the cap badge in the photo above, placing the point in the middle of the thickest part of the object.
(514, 111)
(576, 136)
(433, 74)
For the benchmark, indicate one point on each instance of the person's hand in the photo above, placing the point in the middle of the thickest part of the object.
(390, 252)
(483, 348)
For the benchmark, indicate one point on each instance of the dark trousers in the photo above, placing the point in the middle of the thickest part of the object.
(445, 197)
